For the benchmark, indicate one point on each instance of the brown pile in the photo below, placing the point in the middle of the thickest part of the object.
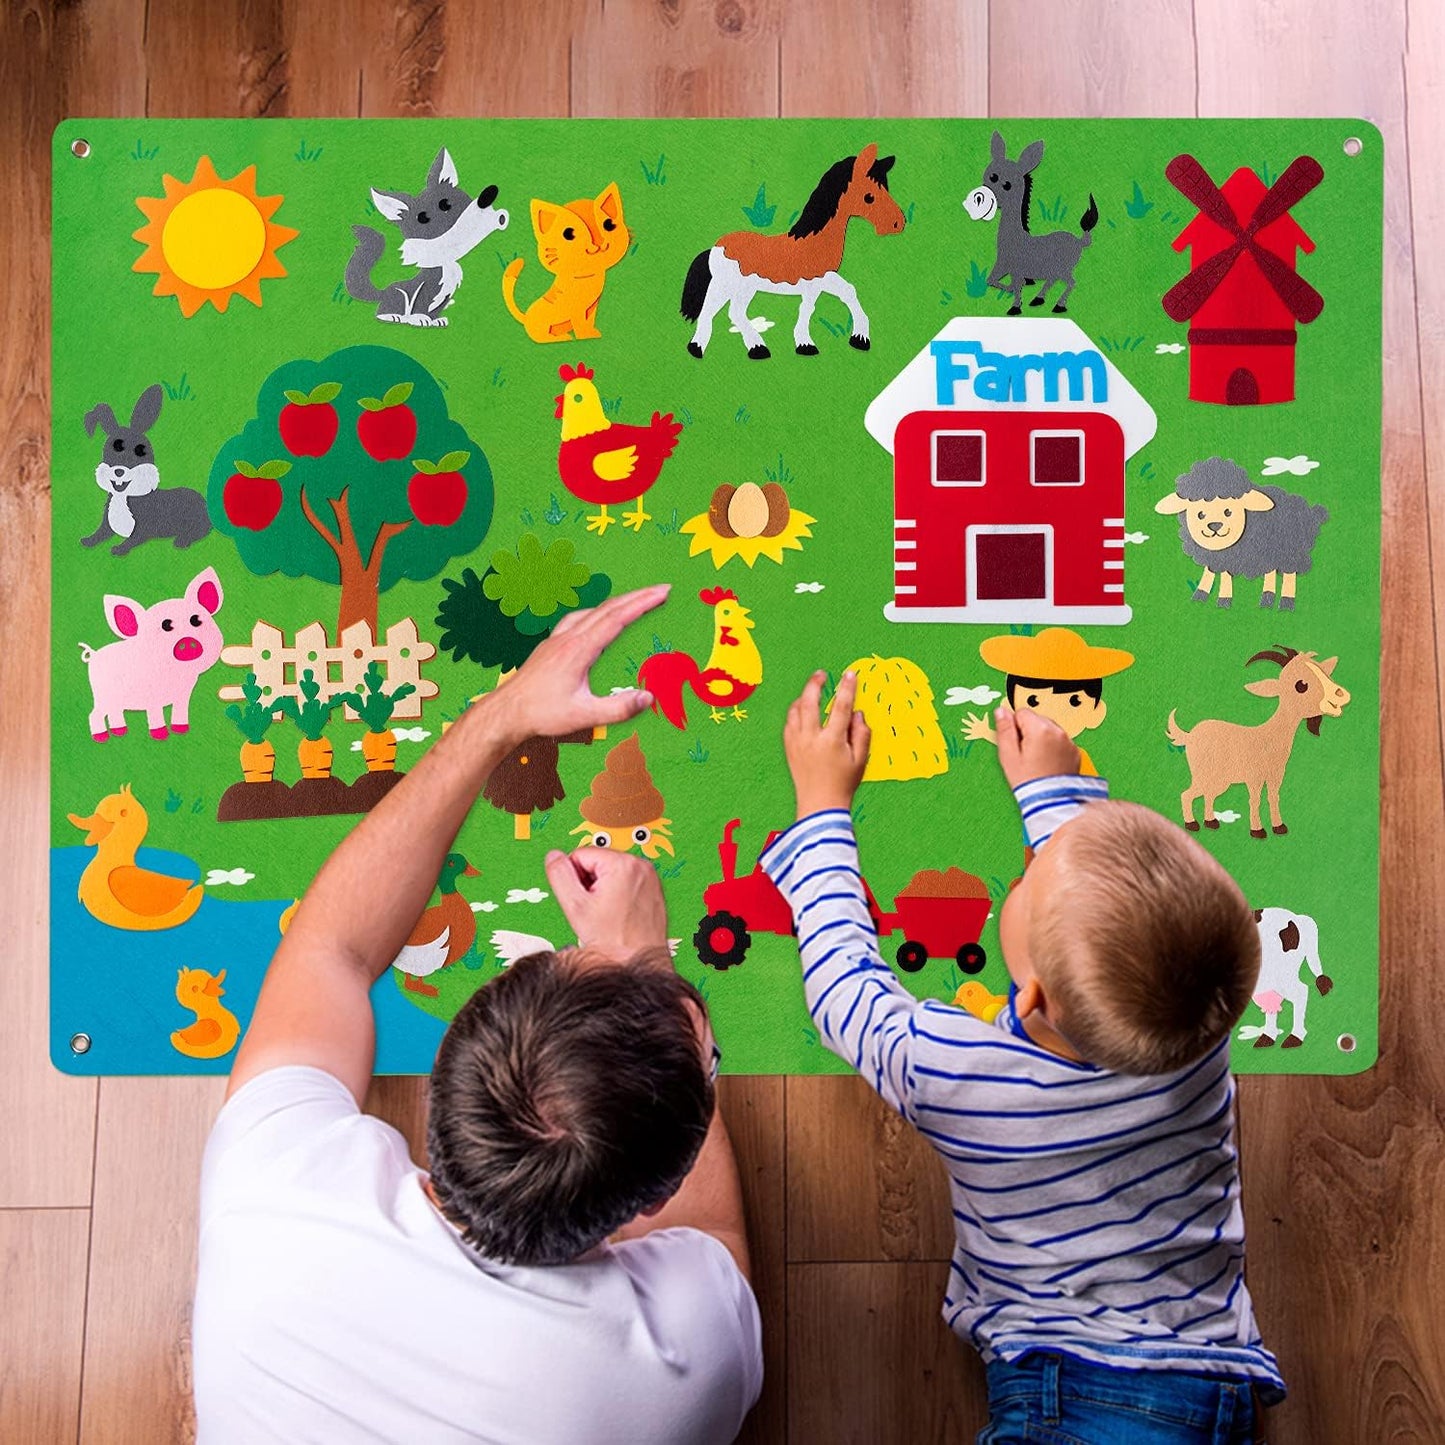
(623, 794)
(946, 883)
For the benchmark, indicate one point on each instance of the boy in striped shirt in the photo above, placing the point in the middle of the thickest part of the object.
(1088, 1131)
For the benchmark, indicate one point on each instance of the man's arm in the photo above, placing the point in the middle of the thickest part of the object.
(315, 1005)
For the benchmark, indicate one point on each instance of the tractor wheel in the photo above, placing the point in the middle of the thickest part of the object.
(911, 956)
(971, 958)
(722, 939)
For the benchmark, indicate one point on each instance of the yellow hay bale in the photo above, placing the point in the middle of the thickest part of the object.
(897, 704)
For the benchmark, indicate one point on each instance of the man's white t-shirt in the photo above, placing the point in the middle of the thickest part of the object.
(334, 1304)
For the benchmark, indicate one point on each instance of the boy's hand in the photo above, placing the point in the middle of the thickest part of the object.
(1031, 746)
(551, 693)
(826, 759)
(612, 900)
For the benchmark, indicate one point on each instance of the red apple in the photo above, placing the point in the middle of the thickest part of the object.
(252, 495)
(308, 423)
(386, 427)
(437, 492)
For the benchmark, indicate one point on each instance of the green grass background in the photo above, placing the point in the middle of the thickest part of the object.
(683, 184)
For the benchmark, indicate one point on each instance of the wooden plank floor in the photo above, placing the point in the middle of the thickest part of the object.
(1342, 1177)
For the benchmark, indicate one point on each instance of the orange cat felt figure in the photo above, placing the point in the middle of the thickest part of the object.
(578, 243)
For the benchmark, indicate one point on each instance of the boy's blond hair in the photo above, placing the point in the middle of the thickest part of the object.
(1146, 948)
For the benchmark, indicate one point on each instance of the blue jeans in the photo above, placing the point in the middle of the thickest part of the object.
(1051, 1399)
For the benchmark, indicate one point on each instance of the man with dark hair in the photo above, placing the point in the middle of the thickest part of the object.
(574, 1267)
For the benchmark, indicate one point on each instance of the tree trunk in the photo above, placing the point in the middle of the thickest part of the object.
(358, 591)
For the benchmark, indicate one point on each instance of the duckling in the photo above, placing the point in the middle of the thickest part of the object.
(216, 1029)
(112, 889)
(443, 933)
(974, 998)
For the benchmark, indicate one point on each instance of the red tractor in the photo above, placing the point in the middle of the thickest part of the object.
(940, 913)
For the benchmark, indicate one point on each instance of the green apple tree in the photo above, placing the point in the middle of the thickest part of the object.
(366, 482)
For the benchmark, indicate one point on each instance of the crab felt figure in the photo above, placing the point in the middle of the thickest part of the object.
(605, 462)
(734, 666)
(624, 809)
(748, 522)
(443, 934)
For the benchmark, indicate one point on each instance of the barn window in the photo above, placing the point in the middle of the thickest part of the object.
(1056, 458)
(958, 459)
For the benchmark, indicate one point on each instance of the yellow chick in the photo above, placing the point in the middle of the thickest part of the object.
(974, 998)
(216, 1029)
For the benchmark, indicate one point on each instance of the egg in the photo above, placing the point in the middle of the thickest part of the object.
(748, 512)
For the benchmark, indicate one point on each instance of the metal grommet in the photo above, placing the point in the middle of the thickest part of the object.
(80, 1043)
(1354, 145)
(80, 148)
(1346, 1043)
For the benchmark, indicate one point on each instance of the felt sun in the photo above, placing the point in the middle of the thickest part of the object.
(209, 239)
(748, 522)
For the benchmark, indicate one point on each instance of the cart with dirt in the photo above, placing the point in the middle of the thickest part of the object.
(941, 913)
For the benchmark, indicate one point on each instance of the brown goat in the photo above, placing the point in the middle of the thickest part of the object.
(1223, 753)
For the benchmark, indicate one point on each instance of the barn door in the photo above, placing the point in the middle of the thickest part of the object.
(1009, 564)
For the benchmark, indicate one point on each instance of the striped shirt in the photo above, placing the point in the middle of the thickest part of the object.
(1095, 1214)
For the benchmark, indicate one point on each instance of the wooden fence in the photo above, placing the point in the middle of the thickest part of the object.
(278, 668)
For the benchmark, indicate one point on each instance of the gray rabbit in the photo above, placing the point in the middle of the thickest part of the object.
(136, 509)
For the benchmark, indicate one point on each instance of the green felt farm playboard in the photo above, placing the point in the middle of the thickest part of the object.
(347, 415)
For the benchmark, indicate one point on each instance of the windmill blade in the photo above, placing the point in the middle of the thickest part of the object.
(1300, 177)
(1303, 301)
(1192, 181)
(1187, 295)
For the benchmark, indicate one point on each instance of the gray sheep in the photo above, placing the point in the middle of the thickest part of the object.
(1233, 528)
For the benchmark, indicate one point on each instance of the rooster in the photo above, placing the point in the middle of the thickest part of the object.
(734, 667)
(601, 462)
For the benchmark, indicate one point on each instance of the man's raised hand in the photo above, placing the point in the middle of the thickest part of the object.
(551, 693)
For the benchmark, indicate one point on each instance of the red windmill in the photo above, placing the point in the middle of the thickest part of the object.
(1243, 297)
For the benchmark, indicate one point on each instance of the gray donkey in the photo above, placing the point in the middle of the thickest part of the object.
(1023, 257)
(137, 508)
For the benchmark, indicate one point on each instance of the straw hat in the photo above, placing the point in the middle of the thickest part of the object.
(1057, 654)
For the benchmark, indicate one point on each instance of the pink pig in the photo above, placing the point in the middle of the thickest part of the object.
(162, 651)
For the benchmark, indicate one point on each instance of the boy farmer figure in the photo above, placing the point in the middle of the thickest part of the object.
(574, 1267)
(1054, 673)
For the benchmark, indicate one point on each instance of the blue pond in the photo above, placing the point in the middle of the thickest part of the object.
(120, 987)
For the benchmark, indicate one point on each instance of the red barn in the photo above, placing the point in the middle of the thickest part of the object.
(1009, 439)
(1242, 296)
(1008, 514)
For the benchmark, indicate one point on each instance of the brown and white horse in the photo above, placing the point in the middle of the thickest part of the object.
(802, 262)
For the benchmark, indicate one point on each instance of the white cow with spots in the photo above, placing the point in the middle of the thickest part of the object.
(1288, 943)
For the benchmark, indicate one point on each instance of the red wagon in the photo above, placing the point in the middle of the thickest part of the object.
(941, 914)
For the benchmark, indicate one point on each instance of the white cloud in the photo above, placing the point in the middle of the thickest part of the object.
(485, 906)
(1168, 348)
(763, 323)
(979, 696)
(526, 895)
(1300, 466)
(237, 877)
(1227, 815)
(1135, 538)
(402, 735)
(808, 587)
(615, 690)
